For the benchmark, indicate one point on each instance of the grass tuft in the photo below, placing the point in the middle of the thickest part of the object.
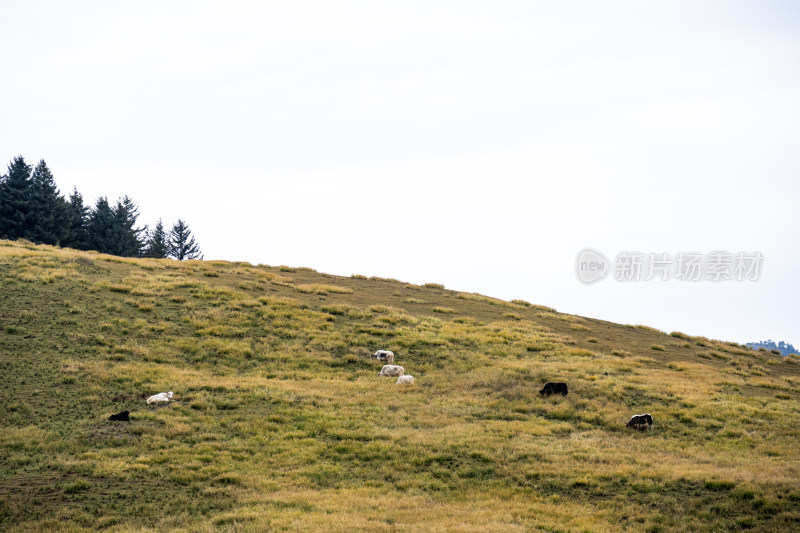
(323, 289)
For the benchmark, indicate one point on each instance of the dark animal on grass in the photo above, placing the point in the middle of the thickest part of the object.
(122, 416)
(640, 422)
(554, 388)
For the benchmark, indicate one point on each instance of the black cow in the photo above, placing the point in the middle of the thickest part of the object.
(554, 388)
(122, 416)
(640, 422)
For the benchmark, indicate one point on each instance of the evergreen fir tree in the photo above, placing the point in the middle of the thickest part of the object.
(49, 209)
(78, 221)
(127, 238)
(181, 242)
(16, 214)
(100, 227)
(157, 242)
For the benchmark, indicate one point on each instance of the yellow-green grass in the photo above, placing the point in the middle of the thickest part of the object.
(280, 423)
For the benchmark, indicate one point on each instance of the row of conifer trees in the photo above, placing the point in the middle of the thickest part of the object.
(32, 208)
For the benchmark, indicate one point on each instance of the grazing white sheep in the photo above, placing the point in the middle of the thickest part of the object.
(409, 379)
(384, 356)
(161, 397)
(390, 371)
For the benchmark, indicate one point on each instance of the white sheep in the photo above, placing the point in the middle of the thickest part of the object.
(390, 371)
(161, 397)
(408, 379)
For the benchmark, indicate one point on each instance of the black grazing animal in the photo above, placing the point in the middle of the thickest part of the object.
(122, 416)
(640, 422)
(554, 388)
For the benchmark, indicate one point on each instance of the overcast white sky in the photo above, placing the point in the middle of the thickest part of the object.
(475, 144)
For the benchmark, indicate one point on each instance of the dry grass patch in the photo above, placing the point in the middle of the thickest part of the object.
(323, 289)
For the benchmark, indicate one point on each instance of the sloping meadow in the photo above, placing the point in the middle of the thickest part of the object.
(279, 421)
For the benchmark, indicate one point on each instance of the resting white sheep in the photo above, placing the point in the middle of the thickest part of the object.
(390, 371)
(161, 397)
(406, 379)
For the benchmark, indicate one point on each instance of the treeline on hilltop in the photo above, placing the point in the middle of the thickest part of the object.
(32, 208)
(783, 347)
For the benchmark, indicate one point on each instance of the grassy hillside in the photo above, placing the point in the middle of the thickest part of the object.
(280, 422)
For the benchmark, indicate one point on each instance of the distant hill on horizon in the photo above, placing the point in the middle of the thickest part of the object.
(783, 347)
